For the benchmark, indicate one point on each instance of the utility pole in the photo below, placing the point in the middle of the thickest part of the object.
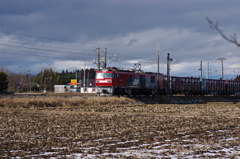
(158, 52)
(201, 76)
(200, 70)
(88, 80)
(168, 74)
(158, 69)
(207, 71)
(98, 63)
(222, 66)
(29, 75)
(104, 61)
(84, 77)
(105, 58)
(76, 77)
(158, 64)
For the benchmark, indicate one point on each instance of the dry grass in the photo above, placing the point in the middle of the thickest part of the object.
(115, 105)
(97, 127)
(68, 101)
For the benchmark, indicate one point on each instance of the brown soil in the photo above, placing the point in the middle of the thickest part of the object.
(68, 127)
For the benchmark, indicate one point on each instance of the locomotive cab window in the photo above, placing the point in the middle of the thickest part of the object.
(108, 75)
(104, 75)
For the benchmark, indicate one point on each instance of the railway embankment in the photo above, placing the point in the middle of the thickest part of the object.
(191, 99)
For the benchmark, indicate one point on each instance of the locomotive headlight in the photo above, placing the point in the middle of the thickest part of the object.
(104, 81)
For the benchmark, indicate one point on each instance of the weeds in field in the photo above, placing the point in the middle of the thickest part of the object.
(117, 105)
(43, 102)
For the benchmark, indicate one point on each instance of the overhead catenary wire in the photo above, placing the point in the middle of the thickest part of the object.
(44, 45)
(69, 41)
(29, 54)
(89, 43)
(53, 39)
(40, 49)
(80, 54)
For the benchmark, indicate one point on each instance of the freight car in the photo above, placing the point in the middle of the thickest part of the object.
(115, 81)
(195, 86)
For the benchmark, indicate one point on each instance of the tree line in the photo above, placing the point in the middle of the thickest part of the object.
(44, 80)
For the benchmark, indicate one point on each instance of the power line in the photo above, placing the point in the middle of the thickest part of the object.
(39, 37)
(39, 49)
(38, 55)
(69, 41)
(76, 49)
(181, 52)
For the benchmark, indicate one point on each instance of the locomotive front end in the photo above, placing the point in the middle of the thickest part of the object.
(104, 82)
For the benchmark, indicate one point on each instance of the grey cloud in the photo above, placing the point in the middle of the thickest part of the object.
(85, 25)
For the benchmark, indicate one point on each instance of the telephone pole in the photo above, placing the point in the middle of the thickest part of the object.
(200, 70)
(98, 63)
(29, 76)
(84, 76)
(76, 77)
(101, 62)
(207, 71)
(222, 66)
(158, 73)
(168, 74)
(169, 88)
(158, 68)
(105, 58)
(201, 82)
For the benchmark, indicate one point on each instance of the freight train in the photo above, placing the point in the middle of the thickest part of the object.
(115, 81)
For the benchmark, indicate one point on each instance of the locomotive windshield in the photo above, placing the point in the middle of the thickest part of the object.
(104, 75)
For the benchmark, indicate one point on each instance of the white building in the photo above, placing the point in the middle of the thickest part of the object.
(88, 90)
(72, 88)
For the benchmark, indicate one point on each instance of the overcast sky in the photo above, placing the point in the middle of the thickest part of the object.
(61, 34)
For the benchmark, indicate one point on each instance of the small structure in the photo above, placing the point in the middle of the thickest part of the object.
(72, 88)
(88, 90)
(62, 88)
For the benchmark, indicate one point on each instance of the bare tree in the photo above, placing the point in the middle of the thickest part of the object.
(231, 38)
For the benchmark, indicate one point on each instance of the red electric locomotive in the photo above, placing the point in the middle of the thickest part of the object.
(115, 81)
